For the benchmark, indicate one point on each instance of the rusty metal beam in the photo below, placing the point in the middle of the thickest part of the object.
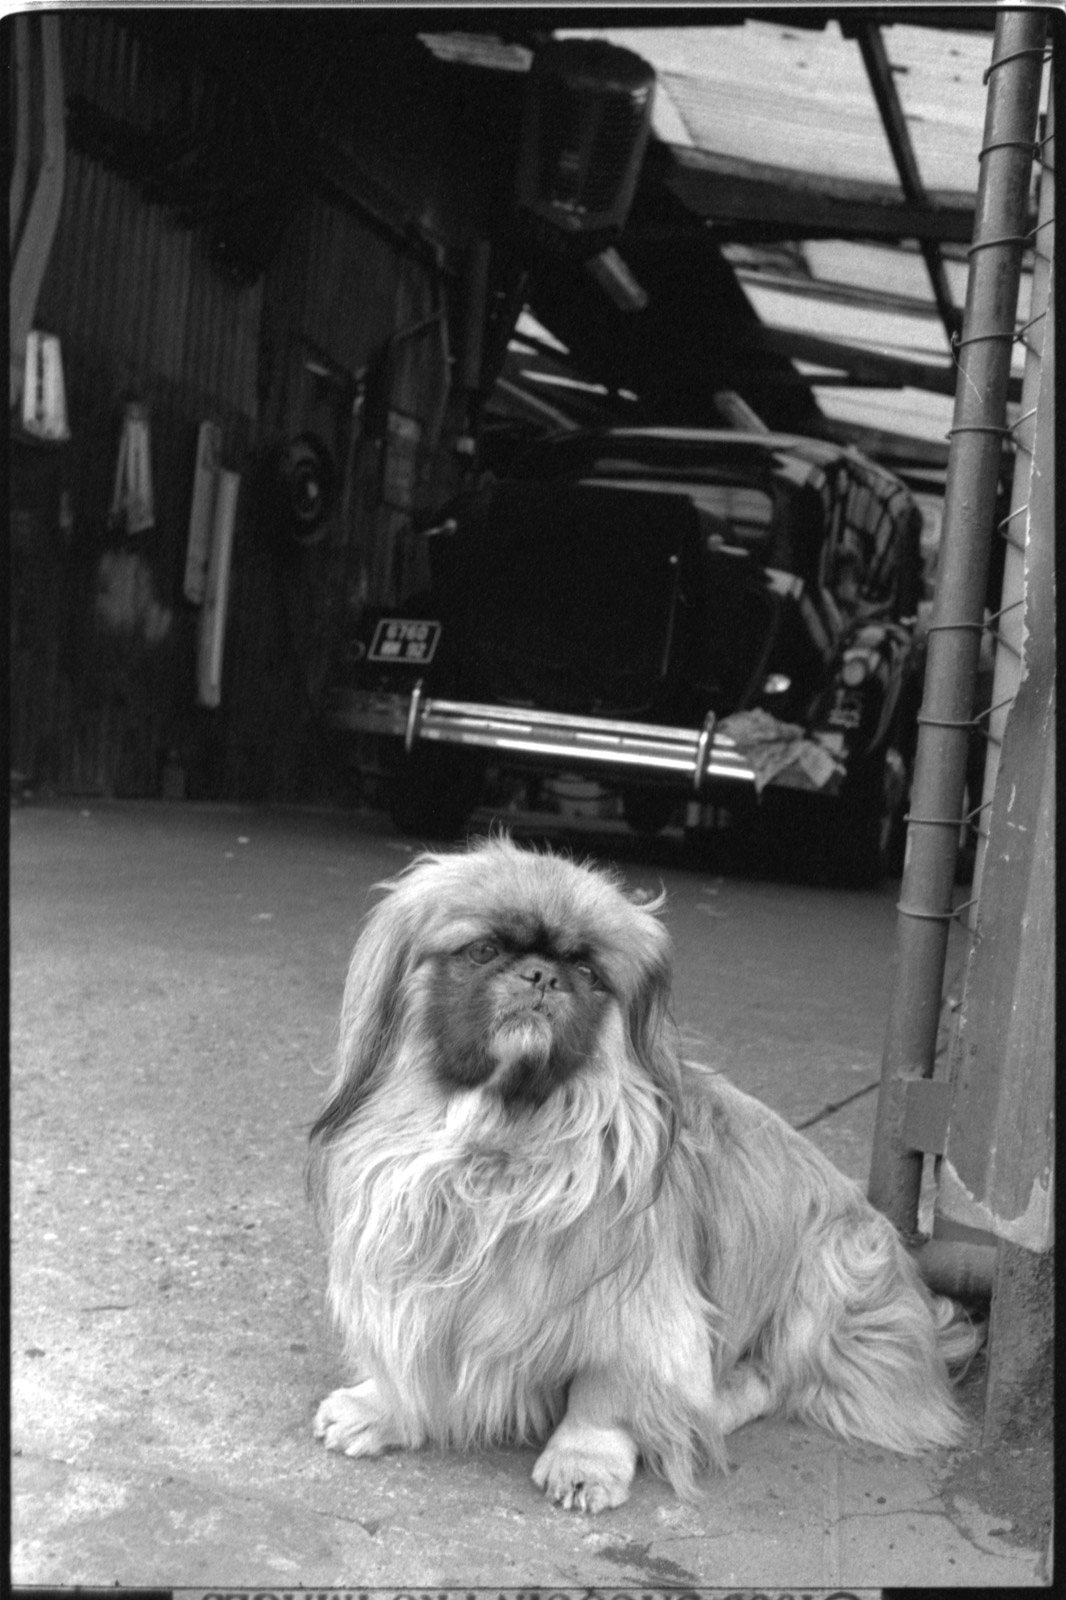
(879, 72)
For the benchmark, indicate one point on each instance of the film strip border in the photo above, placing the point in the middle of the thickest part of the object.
(463, 1592)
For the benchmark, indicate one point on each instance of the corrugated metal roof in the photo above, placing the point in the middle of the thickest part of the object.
(799, 100)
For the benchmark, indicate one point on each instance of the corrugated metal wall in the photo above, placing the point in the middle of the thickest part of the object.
(126, 278)
(142, 312)
(135, 289)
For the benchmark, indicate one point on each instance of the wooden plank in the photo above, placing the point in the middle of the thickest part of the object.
(895, 450)
(726, 189)
(998, 1168)
(1021, 1355)
(865, 366)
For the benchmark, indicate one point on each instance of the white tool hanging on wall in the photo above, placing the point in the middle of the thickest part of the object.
(44, 395)
(202, 512)
(132, 504)
(216, 595)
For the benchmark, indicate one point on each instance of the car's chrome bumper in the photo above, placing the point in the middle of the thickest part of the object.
(695, 757)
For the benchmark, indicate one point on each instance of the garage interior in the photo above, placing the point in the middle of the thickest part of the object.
(348, 256)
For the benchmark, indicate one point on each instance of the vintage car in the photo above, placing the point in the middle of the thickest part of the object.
(696, 622)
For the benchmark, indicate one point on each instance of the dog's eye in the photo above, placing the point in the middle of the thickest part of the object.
(483, 951)
(589, 973)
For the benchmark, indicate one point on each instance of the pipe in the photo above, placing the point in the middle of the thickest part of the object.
(475, 301)
(20, 163)
(963, 1270)
(30, 256)
(926, 906)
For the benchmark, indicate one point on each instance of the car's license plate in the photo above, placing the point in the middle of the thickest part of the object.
(400, 639)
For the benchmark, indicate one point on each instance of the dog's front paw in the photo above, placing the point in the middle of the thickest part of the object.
(585, 1468)
(356, 1421)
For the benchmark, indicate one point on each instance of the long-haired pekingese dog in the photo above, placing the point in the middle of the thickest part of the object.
(543, 1223)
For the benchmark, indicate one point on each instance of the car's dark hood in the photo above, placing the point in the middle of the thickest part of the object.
(565, 594)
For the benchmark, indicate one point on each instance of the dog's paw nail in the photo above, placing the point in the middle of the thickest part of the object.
(586, 1481)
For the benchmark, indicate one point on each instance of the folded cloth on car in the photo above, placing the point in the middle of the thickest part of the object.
(772, 746)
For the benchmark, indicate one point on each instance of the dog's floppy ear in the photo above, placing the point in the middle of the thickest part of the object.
(372, 1010)
(650, 1027)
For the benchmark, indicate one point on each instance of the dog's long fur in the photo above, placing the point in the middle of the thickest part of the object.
(642, 1261)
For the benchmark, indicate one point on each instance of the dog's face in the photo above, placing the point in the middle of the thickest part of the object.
(504, 969)
(518, 1007)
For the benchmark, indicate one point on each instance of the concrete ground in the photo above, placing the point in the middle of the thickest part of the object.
(176, 972)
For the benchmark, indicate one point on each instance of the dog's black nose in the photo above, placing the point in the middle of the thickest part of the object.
(541, 974)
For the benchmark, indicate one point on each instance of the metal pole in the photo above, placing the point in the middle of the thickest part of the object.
(945, 721)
